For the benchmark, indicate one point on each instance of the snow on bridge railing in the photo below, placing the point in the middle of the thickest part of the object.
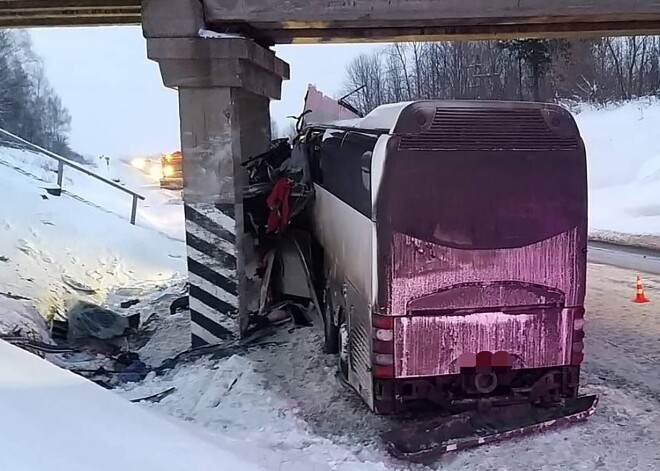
(62, 161)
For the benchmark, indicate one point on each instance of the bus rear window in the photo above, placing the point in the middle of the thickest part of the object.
(484, 200)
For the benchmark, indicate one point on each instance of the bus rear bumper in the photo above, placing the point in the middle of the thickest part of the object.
(470, 388)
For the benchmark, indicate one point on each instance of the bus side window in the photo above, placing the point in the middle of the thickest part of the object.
(345, 159)
(314, 159)
(329, 161)
(366, 170)
(357, 149)
(313, 152)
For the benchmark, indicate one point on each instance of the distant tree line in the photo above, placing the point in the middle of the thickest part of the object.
(596, 71)
(29, 107)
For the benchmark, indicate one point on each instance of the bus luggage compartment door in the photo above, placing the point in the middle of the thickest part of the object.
(435, 345)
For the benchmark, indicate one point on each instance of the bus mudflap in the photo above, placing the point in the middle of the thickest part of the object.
(426, 441)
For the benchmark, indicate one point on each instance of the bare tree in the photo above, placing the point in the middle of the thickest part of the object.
(367, 70)
(29, 106)
(597, 71)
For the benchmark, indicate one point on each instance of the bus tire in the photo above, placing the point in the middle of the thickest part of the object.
(331, 332)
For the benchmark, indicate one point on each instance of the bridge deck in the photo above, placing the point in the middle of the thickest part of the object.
(286, 21)
(19, 13)
(283, 21)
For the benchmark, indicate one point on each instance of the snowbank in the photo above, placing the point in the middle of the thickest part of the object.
(79, 245)
(282, 406)
(623, 149)
(82, 426)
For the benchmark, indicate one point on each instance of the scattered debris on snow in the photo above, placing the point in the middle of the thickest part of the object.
(19, 318)
(87, 320)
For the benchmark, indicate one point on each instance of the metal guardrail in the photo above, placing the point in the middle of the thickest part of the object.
(63, 161)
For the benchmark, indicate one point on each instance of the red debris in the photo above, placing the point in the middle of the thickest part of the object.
(278, 203)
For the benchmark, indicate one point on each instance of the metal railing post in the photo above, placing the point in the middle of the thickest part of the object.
(62, 161)
(134, 209)
(60, 174)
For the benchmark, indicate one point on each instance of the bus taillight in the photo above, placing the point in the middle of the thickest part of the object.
(383, 346)
(578, 337)
(380, 371)
(383, 322)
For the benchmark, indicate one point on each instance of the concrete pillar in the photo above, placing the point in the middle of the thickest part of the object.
(225, 86)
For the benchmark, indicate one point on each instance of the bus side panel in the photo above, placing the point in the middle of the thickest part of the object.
(347, 238)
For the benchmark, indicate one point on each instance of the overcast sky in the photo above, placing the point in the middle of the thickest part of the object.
(118, 102)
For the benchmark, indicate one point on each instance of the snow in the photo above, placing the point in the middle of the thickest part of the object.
(282, 403)
(82, 426)
(170, 338)
(54, 250)
(279, 406)
(168, 333)
(383, 117)
(623, 152)
(21, 319)
(260, 401)
(207, 34)
(162, 210)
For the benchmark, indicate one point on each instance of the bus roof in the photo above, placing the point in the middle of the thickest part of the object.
(385, 117)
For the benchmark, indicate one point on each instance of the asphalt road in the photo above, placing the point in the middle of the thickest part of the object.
(642, 260)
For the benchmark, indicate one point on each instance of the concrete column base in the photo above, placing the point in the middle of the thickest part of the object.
(212, 272)
(225, 87)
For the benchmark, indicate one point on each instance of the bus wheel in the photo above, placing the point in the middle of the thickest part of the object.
(343, 347)
(330, 341)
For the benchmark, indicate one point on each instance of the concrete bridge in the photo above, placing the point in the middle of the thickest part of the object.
(225, 86)
(287, 21)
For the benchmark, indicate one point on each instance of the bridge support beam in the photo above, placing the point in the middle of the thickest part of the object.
(225, 86)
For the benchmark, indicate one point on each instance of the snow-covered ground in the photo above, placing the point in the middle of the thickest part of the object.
(53, 419)
(161, 211)
(280, 408)
(77, 246)
(623, 149)
(282, 405)
(284, 402)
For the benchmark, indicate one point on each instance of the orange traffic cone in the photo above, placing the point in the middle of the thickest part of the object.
(639, 296)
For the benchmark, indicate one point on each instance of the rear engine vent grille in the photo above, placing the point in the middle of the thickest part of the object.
(359, 345)
(469, 129)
